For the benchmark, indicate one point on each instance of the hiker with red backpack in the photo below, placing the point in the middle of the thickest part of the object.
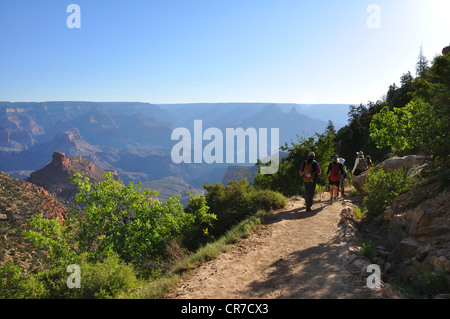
(335, 171)
(310, 171)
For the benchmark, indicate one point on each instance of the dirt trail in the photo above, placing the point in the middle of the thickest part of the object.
(295, 254)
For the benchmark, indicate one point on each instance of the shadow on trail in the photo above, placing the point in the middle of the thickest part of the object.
(305, 274)
(299, 212)
(315, 272)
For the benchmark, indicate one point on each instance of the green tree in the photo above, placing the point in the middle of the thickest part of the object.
(134, 224)
(422, 65)
(287, 179)
(423, 124)
(117, 219)
(356, 136)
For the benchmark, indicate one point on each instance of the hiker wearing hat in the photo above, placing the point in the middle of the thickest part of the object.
(343, 177)
(335, 171)
(360, 164)
(309, 171)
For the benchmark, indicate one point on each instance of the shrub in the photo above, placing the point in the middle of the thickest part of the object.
(367, 251)
(267, 200)
(383, 187)
(108, 279)
(238, 199)
(10, 278)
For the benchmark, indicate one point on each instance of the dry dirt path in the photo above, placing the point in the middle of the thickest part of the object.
(295, 254)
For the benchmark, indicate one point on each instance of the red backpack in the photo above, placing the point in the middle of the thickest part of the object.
(308, 172)
(335, 175)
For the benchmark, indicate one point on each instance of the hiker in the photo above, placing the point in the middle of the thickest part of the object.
(369, 161)
(360, 164)
(343, 176)
(310, 171)
(335, 171)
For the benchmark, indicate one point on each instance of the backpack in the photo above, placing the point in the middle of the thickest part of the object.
(335, 175)
(308, 172)
(362, 164)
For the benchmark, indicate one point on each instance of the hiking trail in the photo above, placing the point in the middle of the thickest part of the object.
(295, 254)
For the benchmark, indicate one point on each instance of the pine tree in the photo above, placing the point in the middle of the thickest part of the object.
(330, 128)
(422, 64)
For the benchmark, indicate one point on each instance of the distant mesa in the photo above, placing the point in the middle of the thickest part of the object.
(55, 177)
(59, 160)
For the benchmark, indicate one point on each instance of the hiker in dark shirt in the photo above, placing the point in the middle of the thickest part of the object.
(360, 164)
(309, 171)
(335, 171)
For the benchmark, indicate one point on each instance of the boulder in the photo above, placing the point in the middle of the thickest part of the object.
(434, 235)
(408, 248)
(415, 164)
(446, 50)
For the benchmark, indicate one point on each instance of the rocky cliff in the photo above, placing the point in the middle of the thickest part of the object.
(417, 229)
(413, 237)
(19, 202)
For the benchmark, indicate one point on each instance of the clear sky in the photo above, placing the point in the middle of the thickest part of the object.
(187, 51)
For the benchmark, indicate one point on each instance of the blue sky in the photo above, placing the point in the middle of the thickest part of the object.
(188, 51)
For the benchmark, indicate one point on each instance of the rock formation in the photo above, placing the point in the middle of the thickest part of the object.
(55, 177)
(418, 227)
(415, 232)
(414, 163)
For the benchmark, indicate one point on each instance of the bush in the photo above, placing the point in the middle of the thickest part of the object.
(383, 187)
(10, 278)
(237, 200)
(109, 279)
(367, 251)
(266, 200)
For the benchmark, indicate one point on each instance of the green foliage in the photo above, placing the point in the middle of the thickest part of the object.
(356, 136)
(238, 199)
(107, 279)
(132, 223)
(367, 251)
(55, 237)
(287, 180)
(10, 278)
(422, 125)
(383, 187)
(416, 125)
(430, 284)
(359, 213)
